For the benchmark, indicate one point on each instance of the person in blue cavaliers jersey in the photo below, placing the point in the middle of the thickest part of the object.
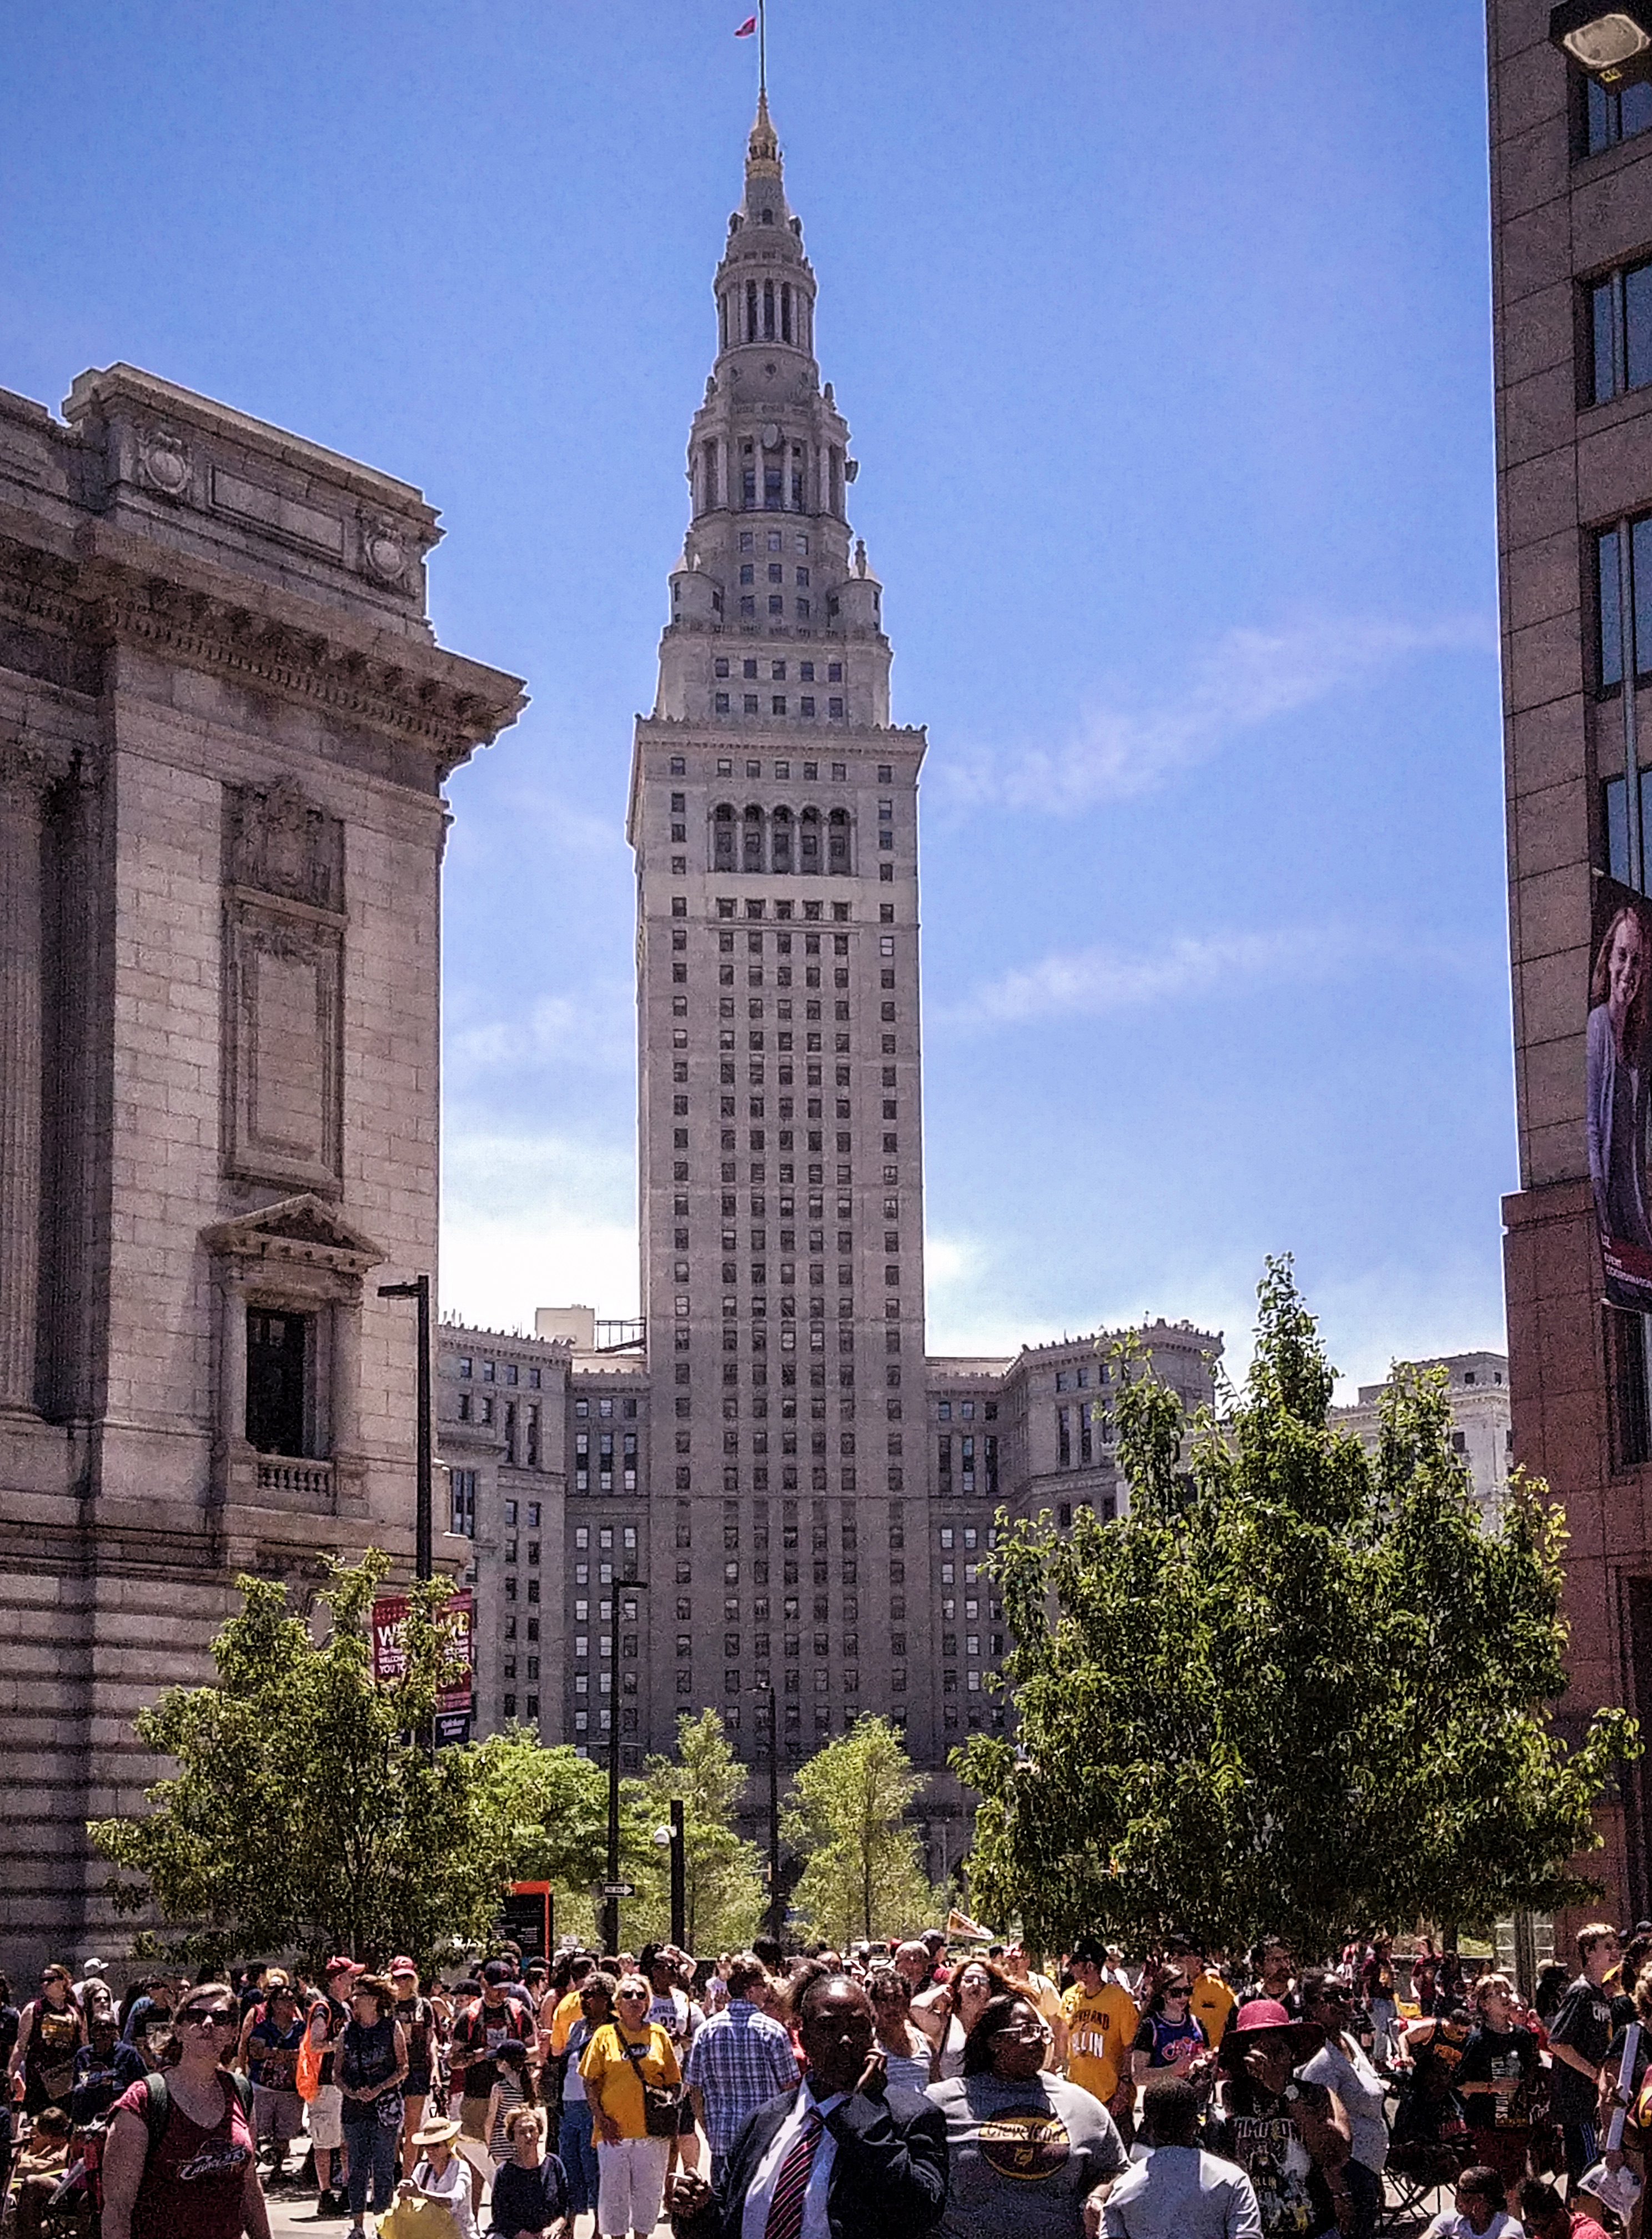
(846, 2156)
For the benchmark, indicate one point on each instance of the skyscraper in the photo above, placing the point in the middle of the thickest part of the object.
(773, 815)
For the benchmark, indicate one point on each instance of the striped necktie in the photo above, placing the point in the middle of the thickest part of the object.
(785, 2207)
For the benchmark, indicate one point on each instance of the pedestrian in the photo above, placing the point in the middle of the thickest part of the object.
(1169, 2041)
(1343, 2066)
(418, 2019)
(1578, 2037)
(92, 1993)
(672, 2010)
(530, 2194)
(41, 2169)
(1017, 1968)
(1180, 2191)
(1498, 2080)
(1025, 2150)
(1102, 2022)
(576, 2143)
(272, 2037)
(1291, 2139)
(1381, 1998)
(1477, 2210)
(624, 2057)
(500, 2013)
(324, 2025)
(372, 2067)
(97, 2084)
(50, 2031)
(909, 2059)
(739, 2060)
(180, 2162)
(1546, 2215)
(1212, 2003)
(441, 2175)
(512, 2088)
(950, 2011)
(1272, 1972)
(845, 2154)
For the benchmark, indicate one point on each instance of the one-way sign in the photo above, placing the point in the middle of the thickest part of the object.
(619, 1889)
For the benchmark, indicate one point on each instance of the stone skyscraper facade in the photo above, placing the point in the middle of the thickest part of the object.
(773, 816)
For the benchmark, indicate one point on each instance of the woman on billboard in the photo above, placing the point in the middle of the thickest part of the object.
(1619, 1085)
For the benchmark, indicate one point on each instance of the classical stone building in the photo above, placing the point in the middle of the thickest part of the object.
(1571, 211)
(1478, 1393)
(224, 726)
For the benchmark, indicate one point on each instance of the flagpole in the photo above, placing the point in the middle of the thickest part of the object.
(762, 50)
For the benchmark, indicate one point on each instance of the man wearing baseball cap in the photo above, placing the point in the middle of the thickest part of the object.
(1101, 2022)
(328, 2018)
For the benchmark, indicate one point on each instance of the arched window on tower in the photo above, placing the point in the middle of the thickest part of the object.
(709, 477)
(751, 310)
(769, 310)
(786, 310)
(834, 502)
(722, 321)
(809, 840)
(838, 841)
(781, 828)
(752, 847)
(722, 837)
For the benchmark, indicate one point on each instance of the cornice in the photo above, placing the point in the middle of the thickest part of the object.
(113, 592)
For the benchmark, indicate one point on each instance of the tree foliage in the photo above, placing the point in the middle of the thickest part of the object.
(722, 1877)
(863, 1874)
(1299, 1687)
(305, 1813)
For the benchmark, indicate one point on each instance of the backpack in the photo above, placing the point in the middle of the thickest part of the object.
(157, 2101)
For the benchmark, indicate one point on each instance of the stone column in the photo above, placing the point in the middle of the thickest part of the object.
(232, 1372)
(24, 776)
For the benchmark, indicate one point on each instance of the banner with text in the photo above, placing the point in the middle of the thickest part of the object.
(1618, 1101)
(455, 1623)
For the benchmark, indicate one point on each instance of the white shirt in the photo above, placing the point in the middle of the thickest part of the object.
(761, 2191)
(451, 2187)
(1181, 2192)
(1342, 2068)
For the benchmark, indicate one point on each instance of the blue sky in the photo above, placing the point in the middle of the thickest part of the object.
(1166, 352)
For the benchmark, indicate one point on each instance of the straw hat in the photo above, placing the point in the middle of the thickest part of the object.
(436, 2134)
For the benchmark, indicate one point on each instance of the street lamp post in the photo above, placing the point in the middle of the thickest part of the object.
(776, 1894)
(419, 1288)
(610, 1904)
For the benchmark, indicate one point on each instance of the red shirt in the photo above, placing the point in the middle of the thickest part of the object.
(193, 2178)
(1585, 2226)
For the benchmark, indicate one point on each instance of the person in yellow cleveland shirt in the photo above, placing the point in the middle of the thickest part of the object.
(1101, 2024)
(1211, 2001)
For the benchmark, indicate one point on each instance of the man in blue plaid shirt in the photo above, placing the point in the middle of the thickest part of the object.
(738, 2062)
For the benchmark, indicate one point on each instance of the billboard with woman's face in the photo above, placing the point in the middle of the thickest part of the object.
(1620, 1090)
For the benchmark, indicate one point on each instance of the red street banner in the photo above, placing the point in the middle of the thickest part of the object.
(456, 1622)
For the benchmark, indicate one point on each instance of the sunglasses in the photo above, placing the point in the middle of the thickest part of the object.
(634, 1994)
(1176, 1990)
(220, 2017)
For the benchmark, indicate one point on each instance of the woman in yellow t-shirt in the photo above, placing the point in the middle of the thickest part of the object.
(624, 2055)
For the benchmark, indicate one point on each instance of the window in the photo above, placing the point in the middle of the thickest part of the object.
(462, 1486)
(1612, 117)
(280, 1347)
(1620, 309)
(1627, 1383)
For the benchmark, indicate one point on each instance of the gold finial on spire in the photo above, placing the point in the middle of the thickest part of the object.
(763, 148)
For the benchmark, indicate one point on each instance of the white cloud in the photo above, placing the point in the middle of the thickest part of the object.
(536, 1221)
(1247, 677)
(1089, 981)
(595, 1028)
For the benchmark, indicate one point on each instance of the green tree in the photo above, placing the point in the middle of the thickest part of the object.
(306, 1812)
(862, 1874)
(722, 1877)
(1299, 1687)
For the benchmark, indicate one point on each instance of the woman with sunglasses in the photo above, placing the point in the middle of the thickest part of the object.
(198, 2179)
(624, 2055)
(1026, 2149)
(51, 2030)
(1170, 2038)
(1342, 2067)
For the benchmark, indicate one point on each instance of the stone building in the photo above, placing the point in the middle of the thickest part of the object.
(1571, 211)
(224, 726)
(1479, 1393)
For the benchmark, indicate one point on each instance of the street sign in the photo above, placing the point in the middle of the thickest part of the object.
(619, 1889)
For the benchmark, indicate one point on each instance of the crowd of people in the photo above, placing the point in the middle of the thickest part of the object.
(889, 2090)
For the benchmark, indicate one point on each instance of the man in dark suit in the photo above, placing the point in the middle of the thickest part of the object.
(843, 2156)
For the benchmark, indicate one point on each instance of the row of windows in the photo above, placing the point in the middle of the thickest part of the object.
(966, 1411)
(777, 676)
(1076, 1379)
(755, 540)
(1086, 1421)
(626, 1406)
(784, 912)
(968, 1476)
(678, 766)
(751, 704)
(490, 1371)
(778, 841)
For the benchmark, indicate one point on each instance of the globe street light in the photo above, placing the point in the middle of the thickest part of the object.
(1612, 43)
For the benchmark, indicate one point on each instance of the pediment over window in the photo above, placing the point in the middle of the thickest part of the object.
(302, 1231)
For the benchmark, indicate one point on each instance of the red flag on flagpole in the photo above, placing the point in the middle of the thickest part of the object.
(747, 28)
